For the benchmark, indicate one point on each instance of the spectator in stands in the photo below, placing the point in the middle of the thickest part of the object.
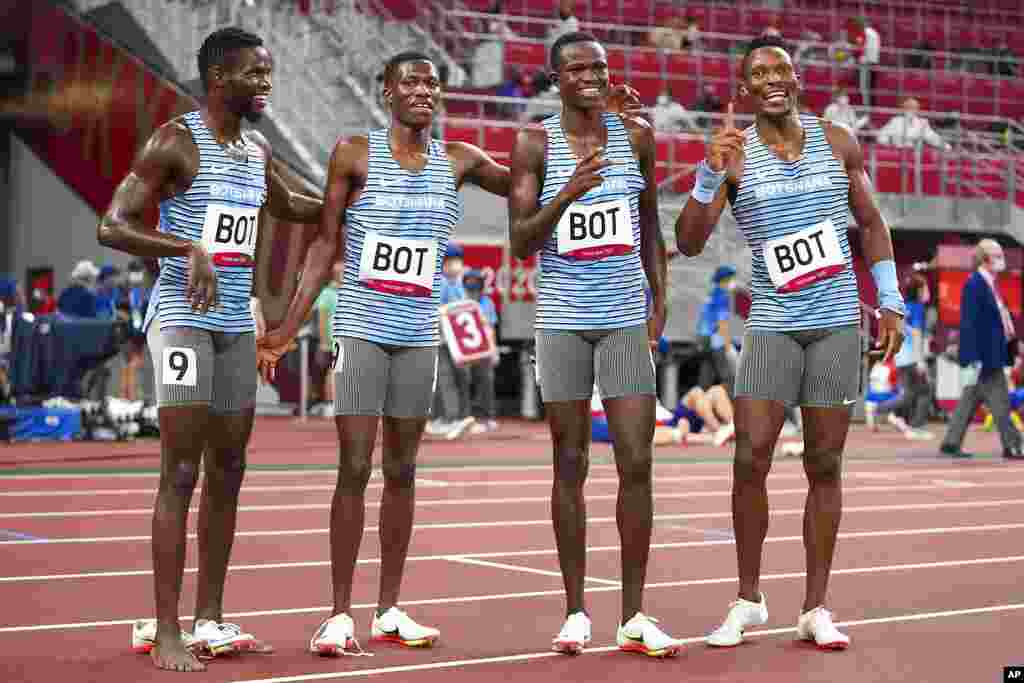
(842, 112)
(669, 37)
(489, 55)
(691, 40)
(568, 24)
(131, 306)
(871, 51)
(840, 51)
(810, 49)
(708, 101)
(79, 298)
(516, 85)
(481, 374)
(669, 116)
(910, 128)
(772, 32)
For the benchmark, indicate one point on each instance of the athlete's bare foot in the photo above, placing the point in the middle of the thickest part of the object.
(170, 653)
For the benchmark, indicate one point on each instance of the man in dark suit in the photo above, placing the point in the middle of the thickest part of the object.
(986, 333)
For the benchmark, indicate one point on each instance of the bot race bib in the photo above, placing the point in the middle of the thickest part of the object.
(805, 257)
(590, 232)
(229, 234)
(398, 266)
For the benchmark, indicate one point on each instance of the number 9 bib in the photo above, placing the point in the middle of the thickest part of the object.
(802, 258)
(398, 266)
(590, 232)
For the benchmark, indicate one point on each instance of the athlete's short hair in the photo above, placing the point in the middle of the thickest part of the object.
(391, 68)
(219, 47)
(757, 44)
(555, 56)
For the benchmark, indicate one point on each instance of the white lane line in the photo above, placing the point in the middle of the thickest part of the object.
(534, 522)
(451, 664)
(521, 500)
(375, 482)
(522, 553)
(526, 570)
(539, 594)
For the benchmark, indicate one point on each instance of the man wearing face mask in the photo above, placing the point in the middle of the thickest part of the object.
(986, 336)
(452, 381)
(910, 128)
(669, 116)
(840, 111)
(713, 331)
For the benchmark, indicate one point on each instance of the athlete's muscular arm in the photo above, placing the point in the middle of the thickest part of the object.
(329, 245)
(165, 166)
(285, 205)
(530, 224)
(875, 240)
(698, 220)
(652, 243)
(476, 166)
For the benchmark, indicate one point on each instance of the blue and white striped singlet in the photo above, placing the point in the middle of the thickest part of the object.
(396, 234)
(808, 280)
(221, 208)
(600, 285)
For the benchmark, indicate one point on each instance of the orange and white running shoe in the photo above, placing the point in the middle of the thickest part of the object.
(144, 637)
(640, 634)
(395, 626)
(574, 636)
(816, 625)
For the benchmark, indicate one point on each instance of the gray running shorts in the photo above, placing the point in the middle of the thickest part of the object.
(196, 366)
(381, 379)
(817, 368)
(569, 363)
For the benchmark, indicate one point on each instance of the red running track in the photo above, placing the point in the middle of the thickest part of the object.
(926, 574)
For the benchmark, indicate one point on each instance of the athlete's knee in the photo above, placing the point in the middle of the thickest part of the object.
(572, 462)
(634, 466)
(354, 473)
(823, 466)
(227, 470)
(399, 472)
(750, 464)
(181, 477)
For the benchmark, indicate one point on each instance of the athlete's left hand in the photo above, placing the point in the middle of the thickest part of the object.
(656, 323)
(256, 308)
(623, 99)
(890, 333)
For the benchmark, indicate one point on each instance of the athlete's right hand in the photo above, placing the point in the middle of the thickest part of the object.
(726, 144)
(587, 175)
(202, 279)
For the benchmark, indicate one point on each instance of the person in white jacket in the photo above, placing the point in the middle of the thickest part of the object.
(910, 128)
(841, 111)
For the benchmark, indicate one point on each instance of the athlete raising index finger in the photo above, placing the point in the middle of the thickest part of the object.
(790, 179)
(584, 196)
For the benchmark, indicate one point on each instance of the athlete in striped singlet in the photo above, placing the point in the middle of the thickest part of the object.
(584, 196)
(211, 178)
(791, 179)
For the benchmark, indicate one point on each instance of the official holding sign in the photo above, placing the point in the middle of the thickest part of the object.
(211, 177)
(584, 196)
(791, 179)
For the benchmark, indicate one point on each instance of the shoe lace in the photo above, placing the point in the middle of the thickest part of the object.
(229, 629)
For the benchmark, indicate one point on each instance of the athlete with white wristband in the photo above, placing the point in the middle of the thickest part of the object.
(790, 179)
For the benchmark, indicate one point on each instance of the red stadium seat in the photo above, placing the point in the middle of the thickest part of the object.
(886, 165)
(681, 65)
(717, 68)
(649, 87)
(724, 19)
(458, 133)
(538, 8)
(688, 150)
(616, 59)
(499, 138)
(684, 90)
(636, 12)
(603, 11)
(916, 82)
(906, 33)
(525, 54)
(645, 61)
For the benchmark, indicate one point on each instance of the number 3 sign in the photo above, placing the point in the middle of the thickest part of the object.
(466, 332)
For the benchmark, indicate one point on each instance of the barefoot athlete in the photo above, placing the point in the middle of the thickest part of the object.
(211, 177)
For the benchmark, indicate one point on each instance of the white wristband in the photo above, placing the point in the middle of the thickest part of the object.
(707, 183)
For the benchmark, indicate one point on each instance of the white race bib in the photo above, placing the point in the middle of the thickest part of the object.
(229, 234)
(590, 232)
(180, 366)
(398, 266)
(803, 258)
